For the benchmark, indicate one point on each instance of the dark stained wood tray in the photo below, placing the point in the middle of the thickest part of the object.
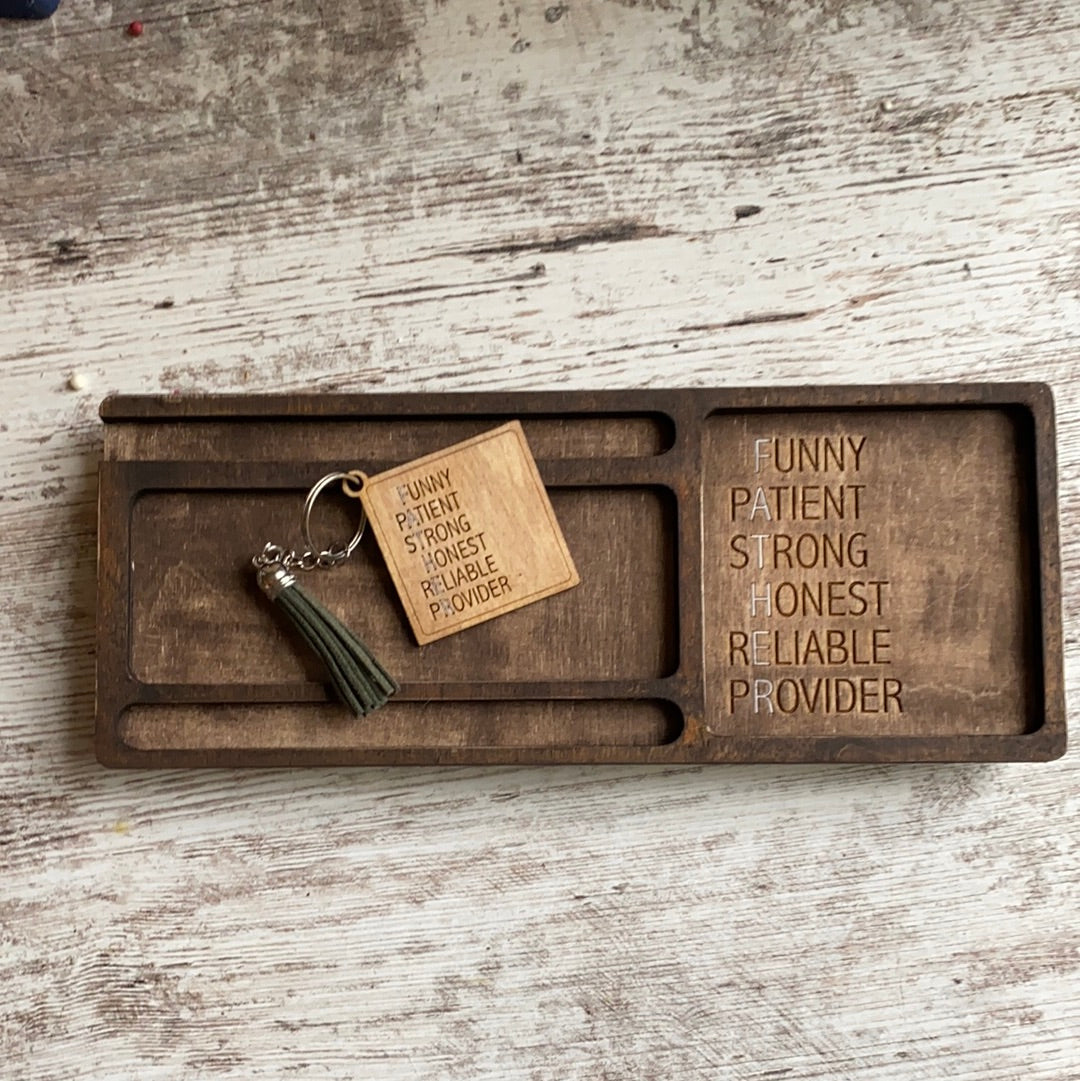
(832, 574)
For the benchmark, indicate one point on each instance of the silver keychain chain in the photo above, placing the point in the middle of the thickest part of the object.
(312, 557)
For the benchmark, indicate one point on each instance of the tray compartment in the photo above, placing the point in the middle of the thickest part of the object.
(397, 439)
(871, 572)
(431, 725)
(198, 617)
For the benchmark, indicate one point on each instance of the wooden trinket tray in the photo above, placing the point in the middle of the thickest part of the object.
(828, 574)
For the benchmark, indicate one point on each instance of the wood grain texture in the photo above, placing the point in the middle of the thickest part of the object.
(413, 195)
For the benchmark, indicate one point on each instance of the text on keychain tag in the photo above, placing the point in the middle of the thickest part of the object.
(468, 533)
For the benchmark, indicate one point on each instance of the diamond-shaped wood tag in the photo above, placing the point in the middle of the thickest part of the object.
(468, 533)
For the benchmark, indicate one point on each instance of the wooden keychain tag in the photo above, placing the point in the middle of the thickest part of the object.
(468, 533)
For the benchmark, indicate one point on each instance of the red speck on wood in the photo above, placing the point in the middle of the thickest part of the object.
(135, 29)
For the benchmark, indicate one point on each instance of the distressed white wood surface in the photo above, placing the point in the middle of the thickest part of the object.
(426, 195)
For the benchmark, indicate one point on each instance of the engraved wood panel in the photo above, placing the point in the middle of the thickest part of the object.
(870, 573)
(467, 533)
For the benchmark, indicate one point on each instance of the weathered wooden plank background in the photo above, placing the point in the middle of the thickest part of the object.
(404, 195)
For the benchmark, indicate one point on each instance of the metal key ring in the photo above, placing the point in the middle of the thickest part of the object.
(332, 555)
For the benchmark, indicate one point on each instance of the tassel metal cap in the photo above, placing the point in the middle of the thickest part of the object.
(273, 579)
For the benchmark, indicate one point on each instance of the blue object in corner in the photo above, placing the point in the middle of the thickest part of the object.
(27, 9)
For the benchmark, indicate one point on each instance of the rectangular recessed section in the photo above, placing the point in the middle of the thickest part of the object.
(397, 439)
(401, 726)
(198, 617)
(871, 573)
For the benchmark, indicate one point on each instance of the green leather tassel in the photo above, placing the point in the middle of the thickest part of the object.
(360, 681)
